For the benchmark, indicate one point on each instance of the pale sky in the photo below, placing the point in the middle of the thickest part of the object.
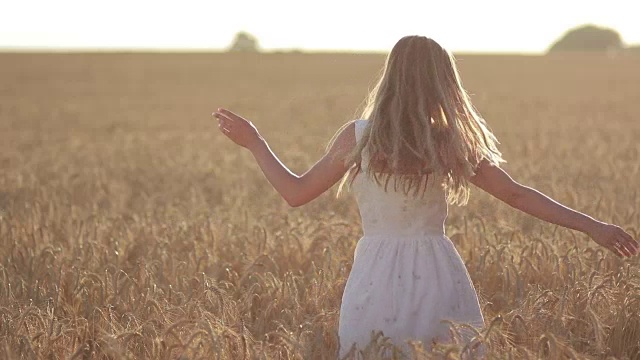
(361, 25)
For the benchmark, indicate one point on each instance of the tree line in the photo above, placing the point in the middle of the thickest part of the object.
(585, 38)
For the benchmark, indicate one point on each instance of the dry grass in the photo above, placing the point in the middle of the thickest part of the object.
(130, 229)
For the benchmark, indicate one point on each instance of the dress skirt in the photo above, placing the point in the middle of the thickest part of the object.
(405, 287)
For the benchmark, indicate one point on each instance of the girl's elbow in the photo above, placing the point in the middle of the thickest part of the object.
(295, 202)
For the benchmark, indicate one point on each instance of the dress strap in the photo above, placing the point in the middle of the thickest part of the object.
(359, 130)
(360, 125)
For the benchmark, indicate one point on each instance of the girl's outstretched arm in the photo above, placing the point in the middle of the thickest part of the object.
(498, 183)
(295, 189)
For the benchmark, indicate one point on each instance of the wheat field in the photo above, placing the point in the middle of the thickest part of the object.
(131, 229)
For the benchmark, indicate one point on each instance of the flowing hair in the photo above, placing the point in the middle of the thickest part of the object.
(421, 122)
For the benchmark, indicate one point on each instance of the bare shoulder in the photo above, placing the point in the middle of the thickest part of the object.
(496, 181)
(486, 173)
(345, 138)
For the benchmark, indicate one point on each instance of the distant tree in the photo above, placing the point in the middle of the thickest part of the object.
(244, 42)
(588, 38)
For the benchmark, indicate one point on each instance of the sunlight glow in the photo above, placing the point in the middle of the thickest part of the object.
(474, 26)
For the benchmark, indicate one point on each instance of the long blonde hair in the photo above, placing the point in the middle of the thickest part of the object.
(421, 122)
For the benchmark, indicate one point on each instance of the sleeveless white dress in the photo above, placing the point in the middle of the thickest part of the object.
(407, 275)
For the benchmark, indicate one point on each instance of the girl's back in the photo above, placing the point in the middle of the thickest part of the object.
(407, 277)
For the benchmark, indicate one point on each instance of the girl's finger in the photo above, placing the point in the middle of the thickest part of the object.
(223, 129)
(621, 246)
(631, 241)
(630, 246)
(617, 251)
(220, 116)
(228, 113)
(626, 243)
(226, 123)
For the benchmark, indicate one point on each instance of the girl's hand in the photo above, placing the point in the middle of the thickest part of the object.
(615, 239)
(240, 130)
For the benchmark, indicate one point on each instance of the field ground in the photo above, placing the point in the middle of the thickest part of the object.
(130, 228)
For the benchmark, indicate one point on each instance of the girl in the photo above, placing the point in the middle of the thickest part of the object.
(418, 147)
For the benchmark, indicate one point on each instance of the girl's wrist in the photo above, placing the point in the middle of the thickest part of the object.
(256, 144)
(591, 226)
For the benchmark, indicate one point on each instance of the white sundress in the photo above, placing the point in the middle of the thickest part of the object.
(407, 275)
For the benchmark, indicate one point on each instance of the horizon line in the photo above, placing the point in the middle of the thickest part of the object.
(124, 49)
